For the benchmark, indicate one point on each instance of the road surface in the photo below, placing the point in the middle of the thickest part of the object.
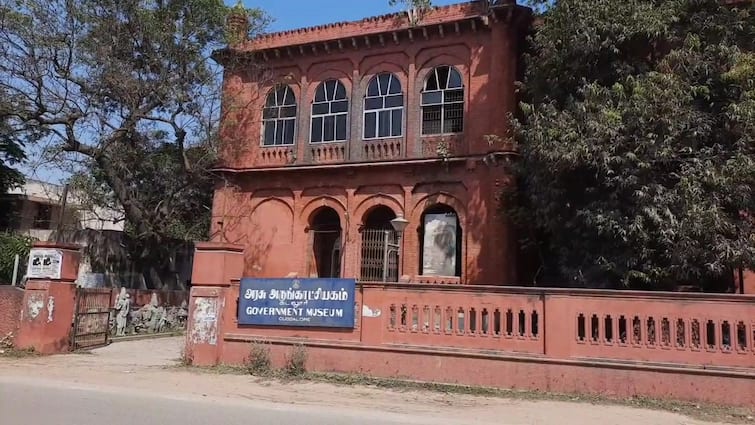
(136, 382)
(35, 402)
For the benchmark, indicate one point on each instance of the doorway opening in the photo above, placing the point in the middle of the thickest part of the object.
(379, 260)
(325, 227)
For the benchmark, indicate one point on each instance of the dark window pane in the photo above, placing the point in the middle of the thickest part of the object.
(433, 97)
(279, 133)
(373, 103)
(288, 133)
(442, 77)
(395, 87)
(454, 96)
(394, 101)
(270, 101)
(269, 113)
(369, 125)
(269, 139)
(289, 98)
(432, 81)
(341, 127)
(397, 122)
(384, 124)
(340, 91)
(372, 89)
(383, 79)
(320, 93)
(454, 79)
(288, 112)
(431, 118)
(330, 88)
(316, 129)
(340, 106)
(454, 118)
(320, 108)
(329, 131)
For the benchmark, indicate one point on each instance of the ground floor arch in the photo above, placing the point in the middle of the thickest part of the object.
(326, 248)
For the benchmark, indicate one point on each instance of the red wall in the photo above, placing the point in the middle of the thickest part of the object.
(10, 309)
(269, 194)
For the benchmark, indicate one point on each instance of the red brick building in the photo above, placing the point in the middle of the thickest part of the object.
(331, 132)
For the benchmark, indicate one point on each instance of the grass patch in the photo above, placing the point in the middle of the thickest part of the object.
(7, 348)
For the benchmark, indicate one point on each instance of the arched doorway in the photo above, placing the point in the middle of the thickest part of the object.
(440, 242)
(379, 261)
(325, 227)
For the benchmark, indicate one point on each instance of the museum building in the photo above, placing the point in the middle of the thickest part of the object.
(374, 149)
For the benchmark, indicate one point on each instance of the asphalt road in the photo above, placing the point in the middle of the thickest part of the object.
(39, 402)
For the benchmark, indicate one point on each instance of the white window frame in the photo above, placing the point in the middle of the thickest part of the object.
(443, 103)
(335, 115)
(279, 121)
(365, 111)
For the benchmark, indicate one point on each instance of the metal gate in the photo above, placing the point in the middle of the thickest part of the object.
(91, 325)
(379, 256)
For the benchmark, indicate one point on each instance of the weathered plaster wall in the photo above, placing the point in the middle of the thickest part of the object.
(10, 309)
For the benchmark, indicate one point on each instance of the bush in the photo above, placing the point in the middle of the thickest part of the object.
(296, 361)
(11, 245)
(258, 363)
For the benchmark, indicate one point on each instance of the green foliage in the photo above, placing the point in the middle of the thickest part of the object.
(638, 142)
(10, 246)
(126, 97)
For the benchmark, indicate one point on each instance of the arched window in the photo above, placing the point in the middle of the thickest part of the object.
(383, 107)
(443, 102)
(279, 117)
(329, 112)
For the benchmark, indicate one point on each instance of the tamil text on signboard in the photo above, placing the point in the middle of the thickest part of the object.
(297, 302)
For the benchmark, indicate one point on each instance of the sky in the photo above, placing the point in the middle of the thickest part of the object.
(293, 14)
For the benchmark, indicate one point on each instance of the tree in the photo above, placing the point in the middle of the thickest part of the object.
(637, 139)
(11, 148)
(127, 98)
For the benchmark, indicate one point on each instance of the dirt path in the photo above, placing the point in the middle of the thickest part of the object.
(145, 366)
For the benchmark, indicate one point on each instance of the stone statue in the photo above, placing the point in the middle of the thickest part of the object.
(122, 306)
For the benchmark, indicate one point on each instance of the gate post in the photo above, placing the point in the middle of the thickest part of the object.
(214, 291)
(48, 307)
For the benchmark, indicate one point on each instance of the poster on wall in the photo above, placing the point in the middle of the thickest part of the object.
(325, 303)
(44, 264)
(439, 245)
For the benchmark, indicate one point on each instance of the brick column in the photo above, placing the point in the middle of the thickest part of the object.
(217, 266)
(49, 303)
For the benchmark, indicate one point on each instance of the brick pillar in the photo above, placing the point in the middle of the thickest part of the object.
(214, 289)
(49, 303)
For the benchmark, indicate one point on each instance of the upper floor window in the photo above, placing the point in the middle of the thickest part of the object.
(383, 107)
(329, 113)
(279, 117)
(443, 102)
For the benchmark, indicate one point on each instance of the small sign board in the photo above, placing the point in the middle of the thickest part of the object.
(44, 264)
(325, 303)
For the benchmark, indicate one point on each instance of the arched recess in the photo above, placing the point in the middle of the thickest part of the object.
(326, 248)
(272, 216)
(269, 235)
(379, 261)
(441, 245)
(438, 203)
(324, 242)
(322, 201)
(380, 199)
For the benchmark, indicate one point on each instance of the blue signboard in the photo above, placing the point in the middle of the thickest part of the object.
(297, 302)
